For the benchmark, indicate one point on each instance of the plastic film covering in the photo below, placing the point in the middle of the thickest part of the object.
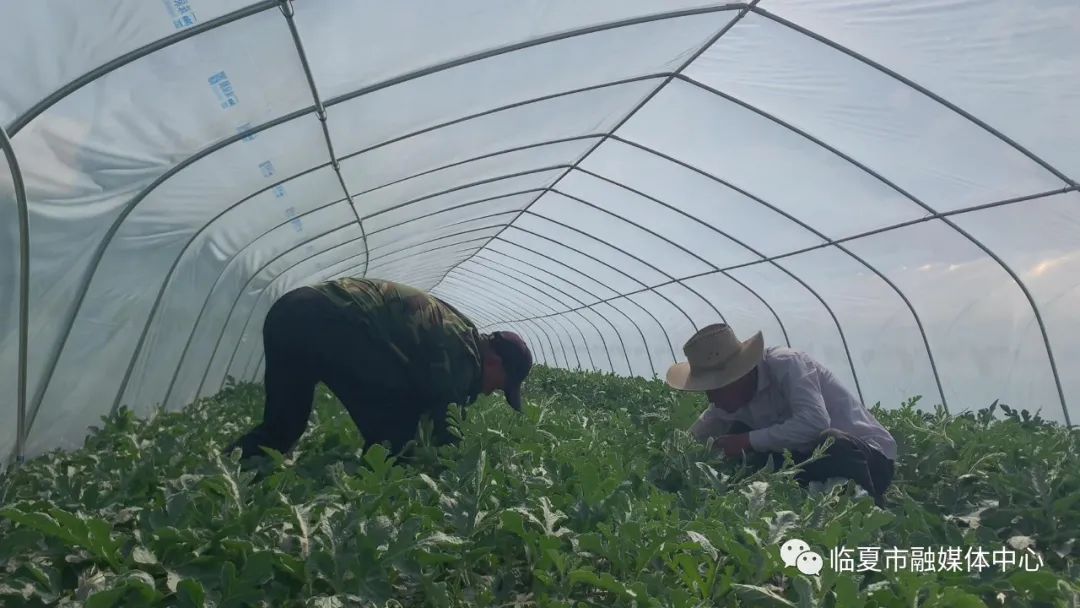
(889, 187)
(64, 41)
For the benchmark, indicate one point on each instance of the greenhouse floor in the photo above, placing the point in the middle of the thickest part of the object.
(593, 499)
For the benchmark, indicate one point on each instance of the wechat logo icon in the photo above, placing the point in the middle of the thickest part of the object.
(797, 553)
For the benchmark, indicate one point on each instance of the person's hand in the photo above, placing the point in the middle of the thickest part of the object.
(732, 445)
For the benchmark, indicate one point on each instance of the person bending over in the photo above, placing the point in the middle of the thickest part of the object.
(764, 400)
(390, 352)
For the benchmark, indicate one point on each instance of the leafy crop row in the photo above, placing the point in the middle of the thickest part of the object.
(593, 498)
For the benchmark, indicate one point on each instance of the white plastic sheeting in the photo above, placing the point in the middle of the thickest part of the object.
(890, 187)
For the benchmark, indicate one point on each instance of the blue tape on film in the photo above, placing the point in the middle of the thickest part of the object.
(224, 90)
(267, 168)
(279, 191)
(183, 16)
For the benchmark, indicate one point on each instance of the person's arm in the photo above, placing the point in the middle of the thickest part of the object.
(709, 424)
(809, 417)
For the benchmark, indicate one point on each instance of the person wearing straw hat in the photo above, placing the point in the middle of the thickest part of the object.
(392, 354)
(764, 400)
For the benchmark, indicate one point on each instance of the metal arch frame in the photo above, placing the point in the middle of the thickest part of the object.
(489, 155)
(836, 321)
(466, 186)
(458, 163)
(827, 244)
(558, 337)
(159, 44)
(654, 234)
(507, 213)
(425, 197)
(998, 134)
(21, 427)
(563, 322)
(140, 52)
(657, 235)
(888, 281)
(911, 197)
(491, 111)
(425, 252)
(544, 331)
(551, 344)
(319, 110)
(779, 321)
(198, 320)
(429, 215)
(746, 194)
(629, 255)
(577, 357)
(921, 89)
(26, 117)
(557, 243)
(462, 223)
(427, 260)
(693, 57)
(534, 327)
(425, 216)
(618, 334)
(471, 308)
(607, 350)
(903, 192)
(872, 269)
(645, 343)
(860, 235)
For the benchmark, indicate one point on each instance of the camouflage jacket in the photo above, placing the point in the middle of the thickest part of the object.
(432, 346)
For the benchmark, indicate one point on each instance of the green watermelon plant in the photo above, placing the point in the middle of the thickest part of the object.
(595, 496)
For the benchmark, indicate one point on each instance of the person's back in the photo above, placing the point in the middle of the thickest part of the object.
(846, 412)
(430, 337)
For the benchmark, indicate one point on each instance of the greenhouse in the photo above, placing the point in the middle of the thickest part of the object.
(888, 187)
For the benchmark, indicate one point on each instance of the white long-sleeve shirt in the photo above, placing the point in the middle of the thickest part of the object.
(796, 399)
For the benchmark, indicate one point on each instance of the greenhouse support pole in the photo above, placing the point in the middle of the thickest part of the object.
(607, 351)
(558, 243)
(618, 334)
(743, 10)
(320, 110)
(24, 290)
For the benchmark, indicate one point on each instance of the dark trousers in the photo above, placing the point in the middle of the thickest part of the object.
(849, 457)
(308, 339)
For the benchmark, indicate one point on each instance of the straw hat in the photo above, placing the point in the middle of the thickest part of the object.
(715, 359)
